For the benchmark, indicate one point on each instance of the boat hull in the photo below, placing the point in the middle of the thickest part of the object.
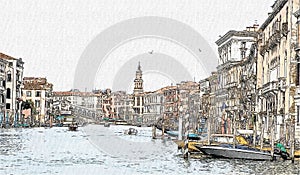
(73, 128)
(234, 153)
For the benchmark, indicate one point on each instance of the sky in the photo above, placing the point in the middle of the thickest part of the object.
(53, 36)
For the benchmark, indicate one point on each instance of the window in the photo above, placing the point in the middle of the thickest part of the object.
(38, 93)
(298, 115)
(298, 74)
(28, 93)
(9, 77)
(8, 93)
(285, 64)
(243, 54)
(7, 105)
(243, 45)
(37, 103)
(286, 15)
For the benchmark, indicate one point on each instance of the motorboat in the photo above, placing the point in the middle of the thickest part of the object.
(131, 131)
(237, 152)
(106, 124)
(215, 139)
(191, 136)
(73, 127)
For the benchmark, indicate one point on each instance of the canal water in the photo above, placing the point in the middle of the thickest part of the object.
(95, 149)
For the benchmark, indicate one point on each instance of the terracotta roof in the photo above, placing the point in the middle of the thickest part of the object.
(34, 83)
(71, 93)
(6, 57)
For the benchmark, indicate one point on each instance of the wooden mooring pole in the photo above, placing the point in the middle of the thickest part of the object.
(292, 138)
(186, 140)
(153, 132)
(272, 136)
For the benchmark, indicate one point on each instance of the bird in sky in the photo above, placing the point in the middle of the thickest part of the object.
(151, 52)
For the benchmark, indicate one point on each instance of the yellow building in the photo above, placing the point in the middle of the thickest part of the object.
(276, 80)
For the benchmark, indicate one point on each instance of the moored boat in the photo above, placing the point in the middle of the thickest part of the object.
(239, 152)
(215, 139)
(73, 127)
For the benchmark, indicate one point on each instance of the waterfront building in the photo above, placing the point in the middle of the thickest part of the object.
(189, 99)
(13, 88)
(277, 75)
(153, 106)
(204, 103)
(107, 105)
(212, 105)
(99, 103)
(122, 104)
(138, 95)
(233, 71)
(62, 101)
(170, 106)
(296, 76)
(38, 92)
(3, 65)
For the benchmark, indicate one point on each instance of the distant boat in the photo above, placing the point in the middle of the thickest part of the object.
(131, 131)
(106, 124)
(121, 122)
(239, 152)
(73, 127)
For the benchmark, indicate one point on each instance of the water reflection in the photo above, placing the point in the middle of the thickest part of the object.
(98, 150)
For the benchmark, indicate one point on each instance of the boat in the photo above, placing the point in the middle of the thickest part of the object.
(106, 124)
(73, 127)
(191, 136)
(239, 152)
(215, 139)
(121, 122)
(131, 131)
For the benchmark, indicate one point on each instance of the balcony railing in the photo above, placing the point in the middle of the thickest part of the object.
(231, 85)
(282, 83)
(270, 87)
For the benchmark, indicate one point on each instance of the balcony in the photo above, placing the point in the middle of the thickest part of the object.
(282, 83)
(271, 87)
(274, 39)
(231, 85)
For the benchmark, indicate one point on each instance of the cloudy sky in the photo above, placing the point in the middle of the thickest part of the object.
(51, 36)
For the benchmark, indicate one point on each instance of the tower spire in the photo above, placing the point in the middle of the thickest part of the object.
(138, 81)
(139, 66)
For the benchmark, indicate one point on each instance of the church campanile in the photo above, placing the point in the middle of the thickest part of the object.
(138, 96)
(138, 81)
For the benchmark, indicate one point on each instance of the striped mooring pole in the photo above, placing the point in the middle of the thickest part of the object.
(186, 140)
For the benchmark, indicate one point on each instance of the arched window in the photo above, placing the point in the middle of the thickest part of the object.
(8, 76)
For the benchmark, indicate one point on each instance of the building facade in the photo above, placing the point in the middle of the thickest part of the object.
(153, 106)
(277, 70)
(234, 69)
(13, 88)
(38, 91)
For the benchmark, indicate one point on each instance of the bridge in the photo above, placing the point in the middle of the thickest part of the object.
(84, 114)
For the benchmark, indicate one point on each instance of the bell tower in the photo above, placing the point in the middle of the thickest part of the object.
(138, 81)
(138, 96)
